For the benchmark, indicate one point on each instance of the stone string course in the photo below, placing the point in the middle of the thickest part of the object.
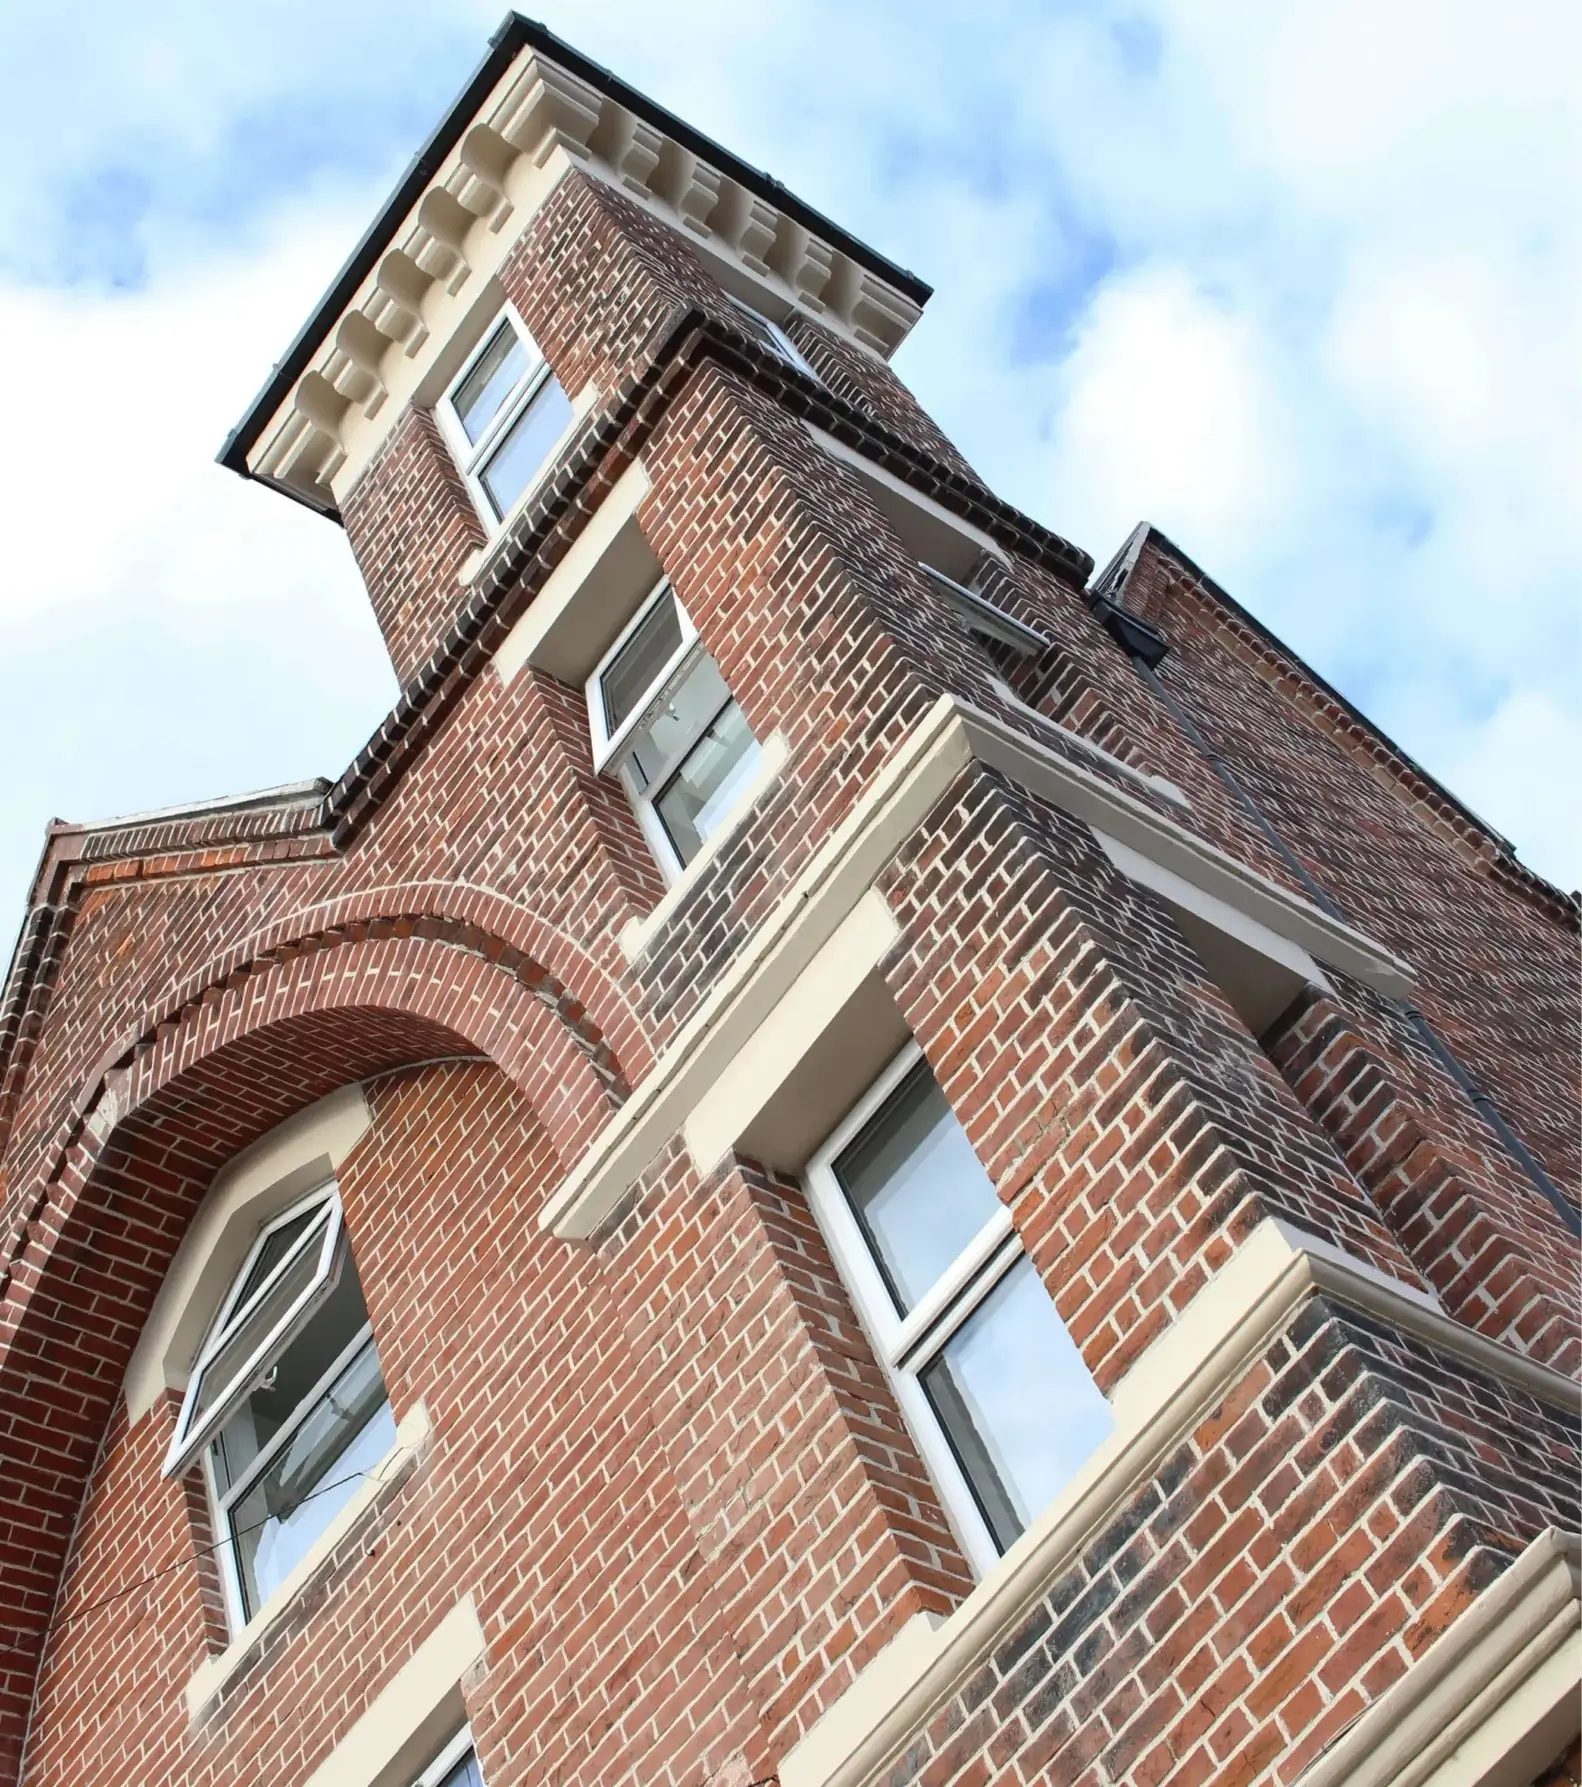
(665, 1463)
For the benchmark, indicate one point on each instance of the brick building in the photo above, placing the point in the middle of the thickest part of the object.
(847, 1152)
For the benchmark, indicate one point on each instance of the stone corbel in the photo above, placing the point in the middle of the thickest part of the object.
(402, 284)
(363, 348)
(757, 234)
(555, 110)
(447, 222)
(308, 449)
(634, 150)
(487, 157)
(745, 223)
(804, 262)
(695, 191)
(880, 316)
(317, 399)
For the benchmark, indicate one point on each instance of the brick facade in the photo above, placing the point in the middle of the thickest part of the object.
(665, 1462)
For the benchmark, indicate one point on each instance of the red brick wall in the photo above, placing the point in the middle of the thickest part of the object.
(411, 524)
(666, 1464)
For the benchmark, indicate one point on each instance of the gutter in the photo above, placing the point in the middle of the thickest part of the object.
(514, 34)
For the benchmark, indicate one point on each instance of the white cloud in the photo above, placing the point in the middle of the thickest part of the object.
(1166, 400)
(128, 399)
(1303, 282)
(170, 632)
(1522, 763)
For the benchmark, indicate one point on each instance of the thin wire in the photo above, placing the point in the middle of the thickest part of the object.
(177, 1563)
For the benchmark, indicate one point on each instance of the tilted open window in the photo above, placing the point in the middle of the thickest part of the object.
(503, 416)
(1006, 639)
(286, 1401)
(663, 720)
(997, 1395)
(765, 330)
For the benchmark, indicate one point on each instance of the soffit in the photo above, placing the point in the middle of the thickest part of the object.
(424, 268)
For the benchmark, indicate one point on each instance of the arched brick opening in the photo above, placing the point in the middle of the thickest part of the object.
(153, 1133)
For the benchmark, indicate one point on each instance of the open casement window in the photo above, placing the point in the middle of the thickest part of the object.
(455, 1766)
(503, 416)
(288, 1399)
(663, 720)
(1007, 640)
(772, 336)
(997, 1396)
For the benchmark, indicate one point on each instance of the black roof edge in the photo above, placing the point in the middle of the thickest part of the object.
(1503, 843)
(514, 34)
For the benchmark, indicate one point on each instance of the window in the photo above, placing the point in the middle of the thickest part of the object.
(503, 416)
(772, 336)
(663, 719)
(287, 1397)
(996, 1393)
(455, 1766)
(1006, 639)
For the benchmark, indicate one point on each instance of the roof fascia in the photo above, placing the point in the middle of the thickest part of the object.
(514, 34)
(1148, 534)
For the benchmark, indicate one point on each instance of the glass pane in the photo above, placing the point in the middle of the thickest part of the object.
(1016, 1402)
(514, 464)
(272, 1405)
(704, 789)
(916, 1186)
(273, 1251)
(464, 1774)
(755, 324)
(254, 1329)
(495, 376)
(343, 1436)
(637, 665)
(692, 704)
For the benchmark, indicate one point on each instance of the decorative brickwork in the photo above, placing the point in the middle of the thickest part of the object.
(666, 1464)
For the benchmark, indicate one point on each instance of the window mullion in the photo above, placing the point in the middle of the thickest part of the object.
(505, 417)
(310, 1401)
(193, 1435)
(973, 1276)
(311, 1235)
(620, 748)
(676, 761)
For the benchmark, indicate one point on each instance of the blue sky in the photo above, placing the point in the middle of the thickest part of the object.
(1300, 281)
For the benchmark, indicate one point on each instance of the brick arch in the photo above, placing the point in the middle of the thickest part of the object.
(591, 999)
(236, 1060)
(596, 1012)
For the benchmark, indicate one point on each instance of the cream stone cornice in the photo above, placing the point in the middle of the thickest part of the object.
(917, 774)
(406, 327)
(1184, 1373)
(1493, 1702)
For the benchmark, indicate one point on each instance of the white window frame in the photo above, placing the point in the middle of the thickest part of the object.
(192, 1436)
(222, 1501)
(783, 344)
(979, 615)
(471, 459)
(607, 746)
(447, 1759)
(905, 1345)
(612, 752)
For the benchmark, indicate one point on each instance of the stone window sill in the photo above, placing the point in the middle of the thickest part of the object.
(209, 1679)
